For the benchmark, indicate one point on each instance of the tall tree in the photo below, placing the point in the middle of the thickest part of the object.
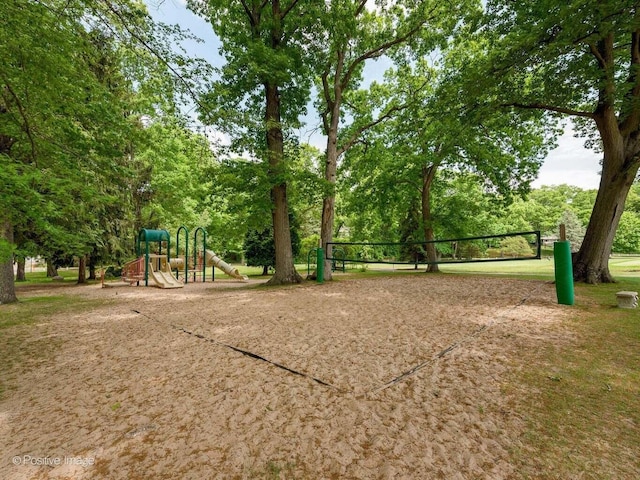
(579, 59)
(263, 89)
(63, 125)
(45, 116)
(179, 182)
(438, 131)
(358, 32)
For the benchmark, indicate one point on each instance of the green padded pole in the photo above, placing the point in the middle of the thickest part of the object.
(564, 272)
(320, 265)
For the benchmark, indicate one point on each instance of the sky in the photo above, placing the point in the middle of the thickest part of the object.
(570, 163)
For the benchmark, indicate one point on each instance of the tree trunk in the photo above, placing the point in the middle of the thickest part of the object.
(21, 271)
(7, 286)
(92, 267)
(82, 269)
(619, 169)
(428, 174)
(52, 271)
(265, 270)
(331, 122)
(285, 268)
(591, 263)
(329, 201)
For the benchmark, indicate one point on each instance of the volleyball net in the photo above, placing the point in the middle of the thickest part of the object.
(487, 248)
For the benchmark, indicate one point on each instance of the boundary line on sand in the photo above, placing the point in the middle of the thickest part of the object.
(394, 381)
(243, 352)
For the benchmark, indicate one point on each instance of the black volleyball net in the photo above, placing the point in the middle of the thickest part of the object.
(487, 248)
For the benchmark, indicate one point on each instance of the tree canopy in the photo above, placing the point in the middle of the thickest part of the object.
(77, 81)
(263, 89)
(94, 143)
(579, 59)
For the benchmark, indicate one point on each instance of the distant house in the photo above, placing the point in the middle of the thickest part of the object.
(548, 241)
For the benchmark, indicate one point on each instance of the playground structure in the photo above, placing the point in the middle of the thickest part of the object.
(166, 271)
(197, 267)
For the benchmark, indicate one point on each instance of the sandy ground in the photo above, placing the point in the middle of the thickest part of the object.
(398, 377)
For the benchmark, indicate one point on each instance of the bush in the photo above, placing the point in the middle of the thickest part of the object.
(306, 245)
(113, 272)
(469, 250)
(515, 247)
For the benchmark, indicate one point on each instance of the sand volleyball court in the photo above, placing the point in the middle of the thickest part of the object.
(404, 376)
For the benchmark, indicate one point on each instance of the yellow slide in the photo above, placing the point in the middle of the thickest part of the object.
(164, 278)
(212, 259)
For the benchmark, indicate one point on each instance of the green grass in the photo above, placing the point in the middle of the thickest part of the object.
(582, 401)
(29, 310)
(621, 267)
(625, 268)
(70, 275)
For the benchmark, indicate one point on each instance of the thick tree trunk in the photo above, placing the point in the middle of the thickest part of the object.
(428, 174)
(7, 287)
(619, 169)
(329, 201)
(285, 268)
(620, 135)
(82, 269)
(52, 271)
(92, 267)
(21, 271)
(591, 263)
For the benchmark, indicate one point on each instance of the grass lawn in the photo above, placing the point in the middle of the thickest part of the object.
(582, 402)
(69, 275)
(540, 269)
(620, 267)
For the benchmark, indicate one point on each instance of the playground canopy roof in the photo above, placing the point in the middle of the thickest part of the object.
(147, 235)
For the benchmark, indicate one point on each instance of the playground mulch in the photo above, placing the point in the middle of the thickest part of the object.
(405, 376)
